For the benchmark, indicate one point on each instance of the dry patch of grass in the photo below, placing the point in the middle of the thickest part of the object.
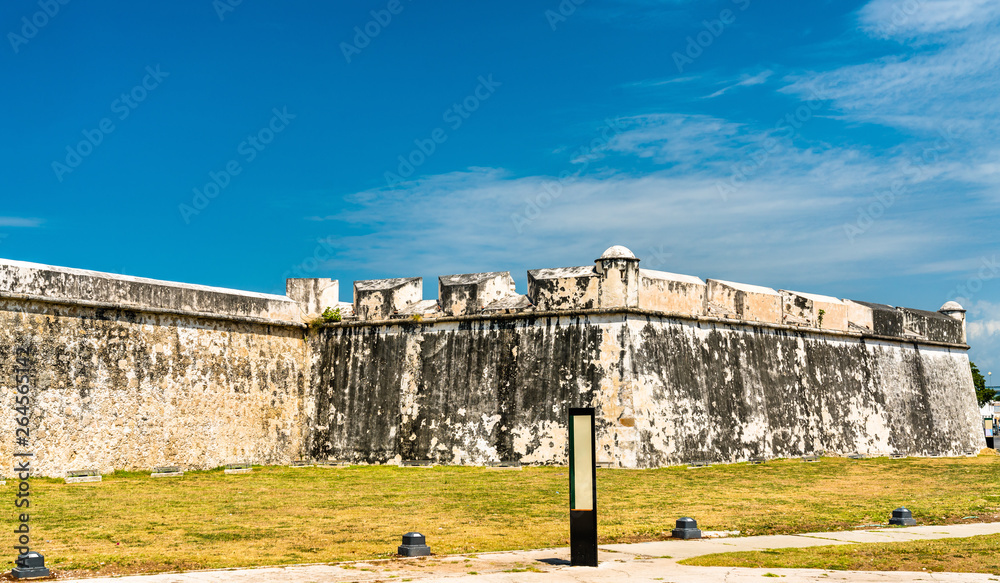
(130, 523)
(976, 554)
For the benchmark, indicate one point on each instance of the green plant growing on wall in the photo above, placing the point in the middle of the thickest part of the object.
(417, 318)
(820, 319)
(332, 315)
(329, 315)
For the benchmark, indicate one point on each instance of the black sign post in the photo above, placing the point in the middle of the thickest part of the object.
(582, 488)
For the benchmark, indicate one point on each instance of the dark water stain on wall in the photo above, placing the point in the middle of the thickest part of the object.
(667, 392)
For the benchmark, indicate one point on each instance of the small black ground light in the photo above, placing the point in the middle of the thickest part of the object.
(414, 545)
(687, 528)
(902, 517)
(29, 566)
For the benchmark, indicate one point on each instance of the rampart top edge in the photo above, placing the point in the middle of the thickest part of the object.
(615, 282)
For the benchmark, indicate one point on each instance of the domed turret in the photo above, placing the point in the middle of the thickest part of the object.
(618, 252)
(619, 271)
(956, 311)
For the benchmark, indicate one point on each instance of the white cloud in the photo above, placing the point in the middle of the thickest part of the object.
(955, 87)
(939, 90)
(983, 330)
(907, 19)
(647, 83)
(783, 228)
(677, 139)
(747, 81)
(948, 266)
(945, 79)
(19, 222)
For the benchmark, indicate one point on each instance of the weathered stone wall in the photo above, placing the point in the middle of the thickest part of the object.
(129, 373)
(115, 389)
(133, 373)
(667, 391)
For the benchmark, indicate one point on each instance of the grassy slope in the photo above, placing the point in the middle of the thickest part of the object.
(131, 523)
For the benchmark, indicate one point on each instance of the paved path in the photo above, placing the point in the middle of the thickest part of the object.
(653, 562)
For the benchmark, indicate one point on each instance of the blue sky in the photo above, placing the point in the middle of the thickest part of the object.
(844, 148)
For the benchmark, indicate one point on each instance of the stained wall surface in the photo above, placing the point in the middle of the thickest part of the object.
(114, 389)
(131, 373)
(666, 390)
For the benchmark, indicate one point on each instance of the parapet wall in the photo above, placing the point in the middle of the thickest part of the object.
(132, 373)
(23, 280)
(616, 282)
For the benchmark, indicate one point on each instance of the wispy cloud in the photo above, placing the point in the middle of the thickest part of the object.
(948, 266)
(944, 75)
(913, 19)
(20, 222)
(983, 332)
(686, 141)
(659, 82)
(747, 81)
(784, 227)
(954, 85)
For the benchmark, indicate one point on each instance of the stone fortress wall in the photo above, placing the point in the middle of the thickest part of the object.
(132, 373)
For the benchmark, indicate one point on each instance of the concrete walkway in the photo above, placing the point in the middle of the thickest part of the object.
(653, 562)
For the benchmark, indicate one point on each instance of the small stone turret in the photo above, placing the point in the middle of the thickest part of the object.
(378, 299)
(471, 292)
(564, 288)
(955, 311)
(313, 294)
(619, 272)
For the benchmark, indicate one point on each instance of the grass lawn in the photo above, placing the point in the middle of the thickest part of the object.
(131, 523)
(976, 554)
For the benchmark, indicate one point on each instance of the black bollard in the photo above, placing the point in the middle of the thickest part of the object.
(687, 528)
(902, 517)
(414, 545)
(30, 565)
